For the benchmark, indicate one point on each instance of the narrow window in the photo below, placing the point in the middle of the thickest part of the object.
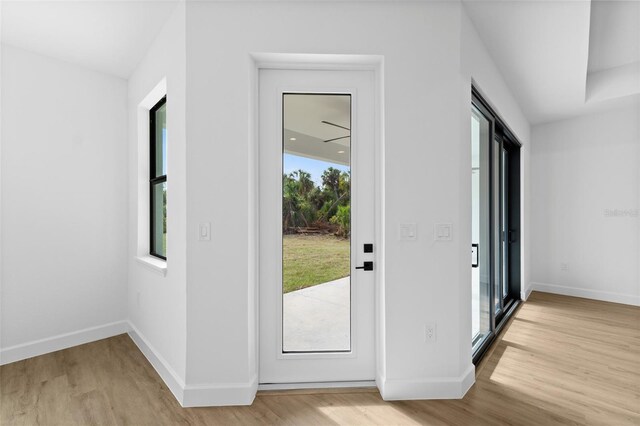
(158, 179)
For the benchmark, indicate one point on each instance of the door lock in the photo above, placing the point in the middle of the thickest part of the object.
(368, 266)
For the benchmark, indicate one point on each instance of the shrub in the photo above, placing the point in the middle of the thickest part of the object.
(343, 219)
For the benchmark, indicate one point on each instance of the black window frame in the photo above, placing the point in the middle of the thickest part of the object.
(153, 179)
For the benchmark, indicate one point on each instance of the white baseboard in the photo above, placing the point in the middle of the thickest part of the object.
(228, 393)
(606, 296)
(220, 394)
(173, 381)
(430, 388)
(206, 395)
(380, 379)
(527, 292)
(468, 380)
(61, 341)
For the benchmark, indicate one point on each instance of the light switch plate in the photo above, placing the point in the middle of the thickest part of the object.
(443, 232)
(407, 232)
(204, 232)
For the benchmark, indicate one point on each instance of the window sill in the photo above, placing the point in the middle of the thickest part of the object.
(154, 264)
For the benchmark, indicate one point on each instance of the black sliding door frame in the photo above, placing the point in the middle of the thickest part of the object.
(504, 212)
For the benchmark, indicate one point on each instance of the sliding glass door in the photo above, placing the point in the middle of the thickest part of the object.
(495, 223)
(481, 128)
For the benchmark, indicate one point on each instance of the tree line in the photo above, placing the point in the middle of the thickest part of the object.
(328, 206)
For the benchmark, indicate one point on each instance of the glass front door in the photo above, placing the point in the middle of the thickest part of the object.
(316, 218)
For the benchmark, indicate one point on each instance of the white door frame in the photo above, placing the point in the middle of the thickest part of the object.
(287, 61)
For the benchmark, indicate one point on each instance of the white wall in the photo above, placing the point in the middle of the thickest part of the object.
(1, 73)
(581, 168)
(426, 105)
(157, 303)
(64, 202)
(423, 279)
(197, 323)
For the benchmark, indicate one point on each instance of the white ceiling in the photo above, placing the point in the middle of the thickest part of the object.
(305, 133)
(111, 36)
(614, 38)
(544, 50)
(614, 51)
(559, 58)
(305, 113)
(541, 48)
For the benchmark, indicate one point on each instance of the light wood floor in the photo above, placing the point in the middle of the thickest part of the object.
(561, 361)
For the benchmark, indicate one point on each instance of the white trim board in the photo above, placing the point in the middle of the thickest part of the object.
(429, 388)
(317, 385)
(301, 61)
(62, 341)
(605, 296)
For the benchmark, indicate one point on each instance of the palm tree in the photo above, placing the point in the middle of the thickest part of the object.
(289, 201)
(331, 181)
(305, 184)
(304, 203)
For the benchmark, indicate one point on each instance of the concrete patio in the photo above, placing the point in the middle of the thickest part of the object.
(317, 318)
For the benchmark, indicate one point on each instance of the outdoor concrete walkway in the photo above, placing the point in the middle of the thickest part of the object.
(317, 318)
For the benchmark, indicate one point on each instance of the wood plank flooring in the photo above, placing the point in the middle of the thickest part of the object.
(562, 360)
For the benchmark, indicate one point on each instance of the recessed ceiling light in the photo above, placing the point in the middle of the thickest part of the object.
(340, 152)
(292, 139)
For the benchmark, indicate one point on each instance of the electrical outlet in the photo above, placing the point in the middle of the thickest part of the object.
(564, 267)
(430, 332)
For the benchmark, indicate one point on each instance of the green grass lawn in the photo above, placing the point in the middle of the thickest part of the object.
(313, 259)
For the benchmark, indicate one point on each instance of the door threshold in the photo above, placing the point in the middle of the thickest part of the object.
(318, 387)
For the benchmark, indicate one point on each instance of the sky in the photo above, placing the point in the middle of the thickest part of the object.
(315, 167)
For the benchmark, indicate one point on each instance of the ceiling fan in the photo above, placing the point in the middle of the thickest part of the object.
(337, 125)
